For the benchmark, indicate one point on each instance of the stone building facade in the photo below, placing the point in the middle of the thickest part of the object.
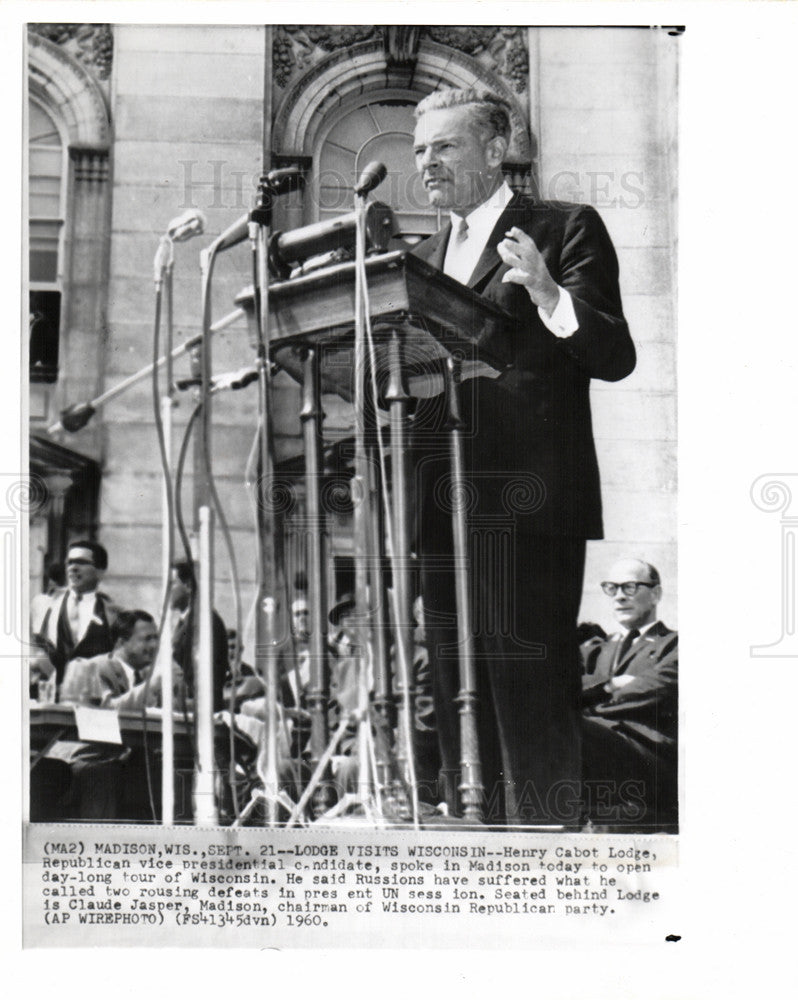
(145, 122)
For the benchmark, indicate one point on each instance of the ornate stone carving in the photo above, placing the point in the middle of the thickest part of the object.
(91, 44)
(503, 49)
(516, 63)
(471, 40)
(73, 91)
(401, 44)
(328, 78)
(331, 37)
(295, 44)
(91, 165)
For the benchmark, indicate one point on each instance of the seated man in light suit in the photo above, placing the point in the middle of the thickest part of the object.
(125, 673)
(119, 679)
(629, 698)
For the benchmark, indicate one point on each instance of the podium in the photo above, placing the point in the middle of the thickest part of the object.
(429, 333)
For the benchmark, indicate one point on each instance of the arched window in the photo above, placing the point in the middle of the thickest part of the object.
(46, 210)
(378, 129)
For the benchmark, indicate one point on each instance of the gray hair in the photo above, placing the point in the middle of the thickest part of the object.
(491, 114)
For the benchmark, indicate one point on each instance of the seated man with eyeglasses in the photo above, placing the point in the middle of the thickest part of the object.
(629, 699)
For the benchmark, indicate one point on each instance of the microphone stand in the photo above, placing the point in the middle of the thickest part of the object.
(205, 809)
(75, 417)
(206, 506)
(271, 620)
(271, 627)
(163, 277)
(367, 794)
(396, 513)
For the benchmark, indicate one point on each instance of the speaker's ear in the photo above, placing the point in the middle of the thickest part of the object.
(495, 151)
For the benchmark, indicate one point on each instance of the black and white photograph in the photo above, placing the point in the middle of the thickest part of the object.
(352, 407)
(383, 407)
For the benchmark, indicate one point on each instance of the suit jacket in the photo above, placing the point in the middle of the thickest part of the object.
(103, 680)
(55, 638)
(182, 650)
(645, 709)
(532, 424)
(117, 692)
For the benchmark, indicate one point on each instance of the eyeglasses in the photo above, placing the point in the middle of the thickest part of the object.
(79, 562)
(629, 588)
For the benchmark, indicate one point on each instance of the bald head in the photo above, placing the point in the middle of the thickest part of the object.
(640, 608)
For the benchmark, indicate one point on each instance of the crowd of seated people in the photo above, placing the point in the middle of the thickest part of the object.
(89, 651)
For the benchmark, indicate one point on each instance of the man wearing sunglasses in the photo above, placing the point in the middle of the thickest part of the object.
(629, 724)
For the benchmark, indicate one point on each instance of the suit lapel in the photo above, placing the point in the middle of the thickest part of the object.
(629, 655)
(605, 660)
(64, 638)
(433, 250)
(519, 212)
(641, 645)
(513, 215)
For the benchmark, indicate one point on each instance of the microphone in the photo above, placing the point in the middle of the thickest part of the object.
(271, 186)
(283, 180)
(73, 418)
(190, 223)
(238, 379)
(233, 234)
(333, 235)
(373, 174)
(275, 183)
(164, 257)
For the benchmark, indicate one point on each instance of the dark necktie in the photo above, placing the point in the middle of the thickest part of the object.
(73, 615)
(462, 232)
(623, 648)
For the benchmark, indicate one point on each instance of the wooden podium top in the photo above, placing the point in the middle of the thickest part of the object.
(435, 315)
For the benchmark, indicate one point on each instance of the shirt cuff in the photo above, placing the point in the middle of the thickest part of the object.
(562, 322)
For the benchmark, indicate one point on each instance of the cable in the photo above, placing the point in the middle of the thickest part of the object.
(263, 451)
(162, 450)
(214, 501)
(181, 527)
(169, 487)
(235, 667)
(253, 502)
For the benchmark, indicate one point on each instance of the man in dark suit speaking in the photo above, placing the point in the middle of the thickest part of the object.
(529, 457)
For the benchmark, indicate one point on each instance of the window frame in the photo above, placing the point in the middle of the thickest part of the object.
(58, 283)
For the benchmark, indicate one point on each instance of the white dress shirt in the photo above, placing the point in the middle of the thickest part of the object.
(462, 256)
(623, 631)
(85, 613)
